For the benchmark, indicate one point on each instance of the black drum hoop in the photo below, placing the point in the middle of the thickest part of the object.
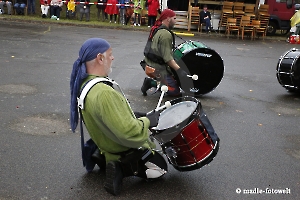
(289, 79)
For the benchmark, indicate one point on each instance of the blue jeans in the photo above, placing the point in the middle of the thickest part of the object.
(207, 24)
(20, 8)
(31, 6)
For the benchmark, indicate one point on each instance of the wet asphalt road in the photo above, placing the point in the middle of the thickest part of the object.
(256, 119)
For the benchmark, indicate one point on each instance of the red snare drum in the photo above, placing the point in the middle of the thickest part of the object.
(294, 39)
(187, 141)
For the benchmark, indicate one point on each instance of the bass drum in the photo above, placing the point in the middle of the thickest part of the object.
(196, 58)
(288, 70)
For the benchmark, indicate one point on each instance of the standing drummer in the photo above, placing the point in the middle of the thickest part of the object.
(159, 55)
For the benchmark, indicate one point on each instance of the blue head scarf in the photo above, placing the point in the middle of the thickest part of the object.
(89, 51)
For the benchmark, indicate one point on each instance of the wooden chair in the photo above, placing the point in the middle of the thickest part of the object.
(144, 17)
(250, 11)
(227, 12)
(264, 22)
(246, 27)
(201, 26)
(227, 6)
(263, 8)
(194, 17)
(232, 26)
(238, 9)
(258, 29)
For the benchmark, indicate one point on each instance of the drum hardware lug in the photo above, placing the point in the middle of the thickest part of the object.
(171, 152)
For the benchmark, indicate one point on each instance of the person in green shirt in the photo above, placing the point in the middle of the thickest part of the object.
(121, 137)
(138, 7)
(159, 55)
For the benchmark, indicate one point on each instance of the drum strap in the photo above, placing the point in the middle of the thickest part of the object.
(80, 103)
(148, 52)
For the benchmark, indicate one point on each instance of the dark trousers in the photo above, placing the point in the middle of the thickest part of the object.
(84, 10)
(207, 24)
(151, 20)
(55, 10)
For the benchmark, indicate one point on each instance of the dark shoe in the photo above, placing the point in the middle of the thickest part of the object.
(99, 159)
(146, 85)
(114, 177)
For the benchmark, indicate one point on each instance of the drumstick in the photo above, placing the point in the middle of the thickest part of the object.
(163, 89)
(194, 77)
(167, 105)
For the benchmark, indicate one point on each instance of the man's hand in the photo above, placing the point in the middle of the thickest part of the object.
(181, 74)
(153, 118)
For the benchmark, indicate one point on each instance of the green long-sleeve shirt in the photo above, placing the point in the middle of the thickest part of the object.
(162, 45)
(138, 6)
(111, 123)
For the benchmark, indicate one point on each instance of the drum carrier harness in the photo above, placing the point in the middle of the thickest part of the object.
(148, 52)
(130, 157)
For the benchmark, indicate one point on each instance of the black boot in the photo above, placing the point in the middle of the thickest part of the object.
(146, 85)
(99, 159)
(114, 177)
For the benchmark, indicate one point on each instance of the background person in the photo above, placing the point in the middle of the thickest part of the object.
(20, 7)
(122, 10)
(71, 9)
(101, 9)
(84, 9)
(153, 9)
(31, 6)
(8, 5)
(55, 8)
(138, 7)
(112, 10)
(45, 5)
(205, 17)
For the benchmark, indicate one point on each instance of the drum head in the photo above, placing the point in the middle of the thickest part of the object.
(176, 114)
(207, 64)
(174, 119)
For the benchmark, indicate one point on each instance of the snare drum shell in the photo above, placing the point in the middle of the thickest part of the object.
(194, 148)
(194, 140)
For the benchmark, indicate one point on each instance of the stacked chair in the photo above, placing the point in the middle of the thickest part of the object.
(246, 26)
(249, 11)
(238, 11)
(194, 17)
(258, 29)
(227, 12)
(263, 17)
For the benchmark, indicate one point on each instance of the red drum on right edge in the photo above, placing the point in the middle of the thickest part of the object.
(288, 70)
